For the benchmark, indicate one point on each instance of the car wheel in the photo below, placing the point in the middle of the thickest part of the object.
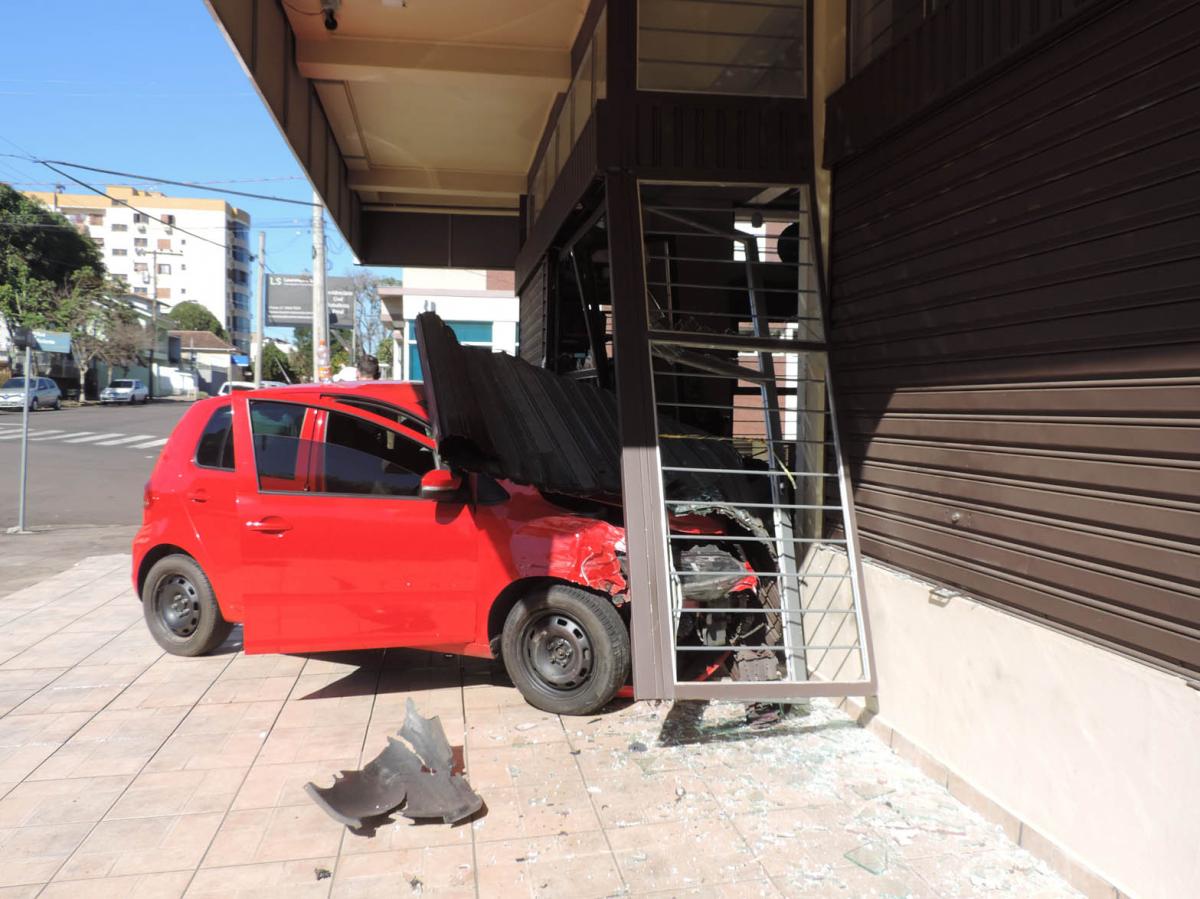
(33, 404)
(565, 649)
(180, 608)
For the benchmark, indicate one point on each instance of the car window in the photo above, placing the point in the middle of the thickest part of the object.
(384, 410)
(215, 449)
(276, 428)
(361, 457)
(44, 384)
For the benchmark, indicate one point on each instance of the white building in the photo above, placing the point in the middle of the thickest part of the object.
(480, 306)
(210, 265)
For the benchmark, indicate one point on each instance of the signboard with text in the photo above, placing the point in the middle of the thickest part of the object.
(289, 300)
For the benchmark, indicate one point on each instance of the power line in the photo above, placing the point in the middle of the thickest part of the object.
(98, 191)
(191, 184)
(49, 163)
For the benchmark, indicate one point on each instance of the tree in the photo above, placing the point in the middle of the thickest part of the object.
(301, 357)
(107, 330)
(277, 366)
(368, 323)
(383, 353)
(48, 269)
(191, 316)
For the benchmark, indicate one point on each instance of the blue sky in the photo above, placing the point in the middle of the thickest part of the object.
(149, 86)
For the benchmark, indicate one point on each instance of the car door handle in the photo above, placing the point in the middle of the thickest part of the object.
(199, 495)
(269, 525)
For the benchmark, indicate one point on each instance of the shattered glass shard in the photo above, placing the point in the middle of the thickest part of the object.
(871, 857)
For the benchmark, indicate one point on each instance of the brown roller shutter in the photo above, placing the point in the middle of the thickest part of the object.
(533, 317)
(1016, 321)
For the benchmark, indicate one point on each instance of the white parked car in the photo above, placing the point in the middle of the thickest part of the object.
(126, 390)
(237, 386)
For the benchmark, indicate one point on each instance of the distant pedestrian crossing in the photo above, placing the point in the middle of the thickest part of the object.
(12, 431)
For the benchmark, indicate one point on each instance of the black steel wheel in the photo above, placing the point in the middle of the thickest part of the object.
(566, 650)
(181, 609)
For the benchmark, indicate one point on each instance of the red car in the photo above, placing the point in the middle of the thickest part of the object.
(319, 518)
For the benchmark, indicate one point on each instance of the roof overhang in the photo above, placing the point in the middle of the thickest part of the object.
(417, 124)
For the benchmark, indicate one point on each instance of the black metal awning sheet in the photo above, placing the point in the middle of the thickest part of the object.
(497, 414)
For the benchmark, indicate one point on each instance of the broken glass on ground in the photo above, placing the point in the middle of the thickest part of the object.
(421, 782)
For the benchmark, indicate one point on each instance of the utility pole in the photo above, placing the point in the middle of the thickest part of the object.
(153, 319)
(154, 254)
(320, 313)
(261, 312)
(21, 529)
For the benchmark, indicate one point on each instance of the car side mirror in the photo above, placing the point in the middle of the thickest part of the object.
(440, 484)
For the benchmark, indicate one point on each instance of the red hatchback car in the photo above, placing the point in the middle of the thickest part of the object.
(320, 518)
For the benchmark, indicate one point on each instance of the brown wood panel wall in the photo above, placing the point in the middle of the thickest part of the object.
(936, 47)
(1016, 327)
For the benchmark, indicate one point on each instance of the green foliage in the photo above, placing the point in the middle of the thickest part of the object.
(383, 353)
(277, 366)
(301, 359)
(49, 271)
(191, 316)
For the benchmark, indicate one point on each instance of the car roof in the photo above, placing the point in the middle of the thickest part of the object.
(406, 394)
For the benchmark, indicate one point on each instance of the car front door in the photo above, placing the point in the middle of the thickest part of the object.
(345, 553)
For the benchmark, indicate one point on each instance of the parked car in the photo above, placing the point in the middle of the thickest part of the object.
(322, 517)
(125, 390)
(238, 386)
(43, 394)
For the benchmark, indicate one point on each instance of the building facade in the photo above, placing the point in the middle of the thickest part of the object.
(990, 210)
(479, 305)
(147, 246)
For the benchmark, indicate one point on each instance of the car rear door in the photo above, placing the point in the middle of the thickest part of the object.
(207, 492)
(344, 554)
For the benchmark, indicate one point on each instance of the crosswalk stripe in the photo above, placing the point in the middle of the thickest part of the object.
(149, 444)
(42, 435)
(92, 438)
(132, 439)
(16, 432)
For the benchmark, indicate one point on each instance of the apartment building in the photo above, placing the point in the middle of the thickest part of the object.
(175, 248)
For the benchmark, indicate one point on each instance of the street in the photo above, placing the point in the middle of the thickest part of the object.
(87, 465)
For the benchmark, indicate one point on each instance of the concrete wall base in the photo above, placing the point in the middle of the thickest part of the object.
(1086, 758)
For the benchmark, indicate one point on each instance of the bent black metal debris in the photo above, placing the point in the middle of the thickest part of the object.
(421, 779)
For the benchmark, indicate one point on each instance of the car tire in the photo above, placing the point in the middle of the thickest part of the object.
(565, 649)
(34, 405)
(181, 609)
(57, 404)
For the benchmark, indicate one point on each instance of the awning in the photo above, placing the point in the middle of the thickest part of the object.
(499, 415)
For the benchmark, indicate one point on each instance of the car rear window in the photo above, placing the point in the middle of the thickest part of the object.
(276, 428)
(215, 449)
(122, 383)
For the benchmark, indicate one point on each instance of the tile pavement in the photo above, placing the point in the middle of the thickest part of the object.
(125, 772)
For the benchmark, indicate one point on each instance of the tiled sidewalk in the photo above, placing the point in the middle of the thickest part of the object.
(127, 772)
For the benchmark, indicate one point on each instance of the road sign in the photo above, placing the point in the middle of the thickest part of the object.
(42, 341)
(289, 300)
(53, 341)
